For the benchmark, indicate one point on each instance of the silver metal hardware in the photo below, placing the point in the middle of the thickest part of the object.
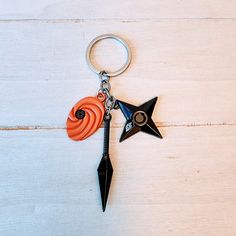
(106, 36)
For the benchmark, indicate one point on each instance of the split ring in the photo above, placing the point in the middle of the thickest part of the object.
(106, 36)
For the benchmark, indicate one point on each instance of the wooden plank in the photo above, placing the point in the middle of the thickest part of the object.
(44, 73)
(47, 103)
(197, 159)
(201, 50)
(73, 219)
(175, 185)
(53, 9)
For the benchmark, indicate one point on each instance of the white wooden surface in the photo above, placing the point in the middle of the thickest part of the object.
(184, 52)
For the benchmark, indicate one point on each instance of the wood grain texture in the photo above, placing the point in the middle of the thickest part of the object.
(49, 183)
(184, 52)
(170, 50)
(185, 103)
(193, 75)
(102, 9)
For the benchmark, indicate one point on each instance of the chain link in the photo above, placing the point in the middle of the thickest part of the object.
(105, 87)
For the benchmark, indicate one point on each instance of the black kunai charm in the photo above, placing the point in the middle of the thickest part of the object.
(138, 119)
(105, 169)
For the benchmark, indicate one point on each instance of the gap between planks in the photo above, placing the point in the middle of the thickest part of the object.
(122, 20)
(39, 127)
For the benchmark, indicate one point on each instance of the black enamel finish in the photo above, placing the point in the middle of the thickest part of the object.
(138, 119)
(105, 169)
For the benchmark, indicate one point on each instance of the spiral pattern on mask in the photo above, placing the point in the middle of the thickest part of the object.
(80, 129)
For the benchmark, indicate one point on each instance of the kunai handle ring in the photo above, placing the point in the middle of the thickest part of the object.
(106, 36)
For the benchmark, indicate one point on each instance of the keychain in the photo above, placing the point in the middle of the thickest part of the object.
(89, 113)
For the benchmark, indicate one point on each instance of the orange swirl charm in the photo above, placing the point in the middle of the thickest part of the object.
(85, 117)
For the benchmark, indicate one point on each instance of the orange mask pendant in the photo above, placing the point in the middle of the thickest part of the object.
(85, 117)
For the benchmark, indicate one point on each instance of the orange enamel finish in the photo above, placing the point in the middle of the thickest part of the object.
(83, 128)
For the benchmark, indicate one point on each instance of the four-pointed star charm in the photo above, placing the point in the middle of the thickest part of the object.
(138, 119)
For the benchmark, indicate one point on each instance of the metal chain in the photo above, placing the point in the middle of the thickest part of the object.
(105, 87)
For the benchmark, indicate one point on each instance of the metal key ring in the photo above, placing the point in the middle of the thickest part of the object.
(106, 36)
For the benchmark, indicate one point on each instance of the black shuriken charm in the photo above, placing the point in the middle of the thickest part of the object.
(138, 119)
(105, 169)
